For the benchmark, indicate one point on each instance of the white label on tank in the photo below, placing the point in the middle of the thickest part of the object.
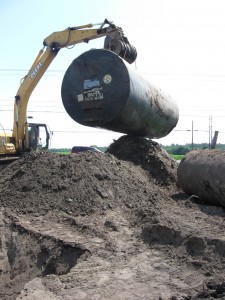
(80, 98)
(107, 78)
(91, 83)
(94, 94)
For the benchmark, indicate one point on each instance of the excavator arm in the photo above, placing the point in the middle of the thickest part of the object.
(20, 126)
(52, 44)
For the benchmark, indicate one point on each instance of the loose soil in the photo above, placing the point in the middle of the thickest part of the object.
(107, 226)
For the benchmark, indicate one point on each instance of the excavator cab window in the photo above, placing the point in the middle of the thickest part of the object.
(32, 133)
(42, 137)
(39, 136)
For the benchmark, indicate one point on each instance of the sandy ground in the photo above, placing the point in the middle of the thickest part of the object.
(110, 225)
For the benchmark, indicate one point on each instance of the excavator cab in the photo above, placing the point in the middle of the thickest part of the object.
(38, 136)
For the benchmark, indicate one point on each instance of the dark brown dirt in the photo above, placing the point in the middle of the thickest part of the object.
(111, 225)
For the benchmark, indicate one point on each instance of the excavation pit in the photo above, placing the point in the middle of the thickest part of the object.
(26, 254)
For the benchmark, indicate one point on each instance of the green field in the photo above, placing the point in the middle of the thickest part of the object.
(177, 156)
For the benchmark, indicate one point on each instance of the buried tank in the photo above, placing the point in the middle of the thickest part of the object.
(100, 89)
(201, 173)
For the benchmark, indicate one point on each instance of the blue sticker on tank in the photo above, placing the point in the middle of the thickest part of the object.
(91, 83)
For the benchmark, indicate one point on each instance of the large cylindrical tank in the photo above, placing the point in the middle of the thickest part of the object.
(100, 89)
(202, 173)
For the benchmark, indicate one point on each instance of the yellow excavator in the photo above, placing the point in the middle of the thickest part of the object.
(25, 136)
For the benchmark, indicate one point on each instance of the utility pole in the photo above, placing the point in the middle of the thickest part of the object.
(214, 140)
(192, 135)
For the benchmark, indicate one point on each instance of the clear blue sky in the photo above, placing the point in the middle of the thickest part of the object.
(181, 49)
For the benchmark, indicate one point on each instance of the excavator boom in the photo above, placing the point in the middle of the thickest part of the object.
(20, 140)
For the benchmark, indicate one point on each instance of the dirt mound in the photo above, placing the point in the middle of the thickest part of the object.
(81, 184)
(149, 155)
(111, 225)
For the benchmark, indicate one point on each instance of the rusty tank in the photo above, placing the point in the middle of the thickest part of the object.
(100, 89)
(201, 173)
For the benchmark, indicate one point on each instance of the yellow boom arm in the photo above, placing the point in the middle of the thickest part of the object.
(52, 44)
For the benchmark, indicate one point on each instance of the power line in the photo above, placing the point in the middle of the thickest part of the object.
(38, 106)
(57, 105)
(24, 70)
(181, 108)
(196, 76)
(103, 131)
(201, 116)
(153, 73)
(64, 112)
(52, 75)
(9, 105)
(78, 131)
(11, 100)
